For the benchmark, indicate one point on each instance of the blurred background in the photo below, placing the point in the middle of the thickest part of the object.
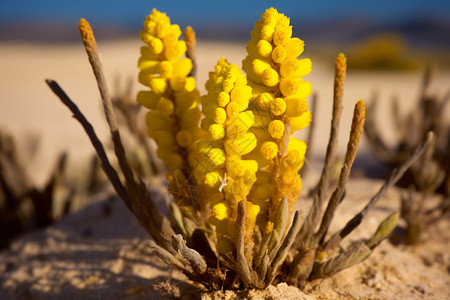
(385, 30)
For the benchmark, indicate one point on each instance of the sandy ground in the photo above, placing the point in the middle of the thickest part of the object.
(101, 252)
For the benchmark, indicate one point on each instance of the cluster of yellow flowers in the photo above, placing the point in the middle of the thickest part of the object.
(243, 149)
(279, 106)
(172, 99)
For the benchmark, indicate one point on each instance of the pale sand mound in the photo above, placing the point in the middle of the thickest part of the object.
(102, 253)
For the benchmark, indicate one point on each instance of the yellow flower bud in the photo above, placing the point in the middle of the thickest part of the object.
(217, 156)
(266, 32)
(158, 85)
(240, 124)
(148, 99)
(156, 46)
(239, 168)
(294, 158)
(184, 138)
(295, 106)
(278, 106)
(280, 37)
(259, 66)
(223, 98)
(269, 150)
(182, 67)
(270, 77)
(264, 48)
(264, 100)
(269, 227)
(147, 65)
(232, 109)
(190, 85)
(165, 69)
(295, 68)
(228, 85)
(162, 28)
(220, 115)
(302, 89)
(211, 178)
(241, 145)
(297, 145)
(279, 54)
(276, 129)
(175, 51)
(294, 47)
(216, 131)
(177, 83)
(175, 161)
(164, 138)
(220, 211)
(165, 107)
(241, 95)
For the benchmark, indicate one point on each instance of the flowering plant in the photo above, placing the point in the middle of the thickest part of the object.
(234, 163)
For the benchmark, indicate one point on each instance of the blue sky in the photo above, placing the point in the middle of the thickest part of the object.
(198, 12)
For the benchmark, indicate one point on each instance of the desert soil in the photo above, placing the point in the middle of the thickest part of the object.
(101, 252)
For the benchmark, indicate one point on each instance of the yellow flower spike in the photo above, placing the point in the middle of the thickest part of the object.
(223, 98)
(278, 106)
(184, 138)
(276, 129)
(279, 54)
(270, 77)
(269, 150)
(217, 156)
(216, 131)
(264, 48)
(220, 211)
(173, 99)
